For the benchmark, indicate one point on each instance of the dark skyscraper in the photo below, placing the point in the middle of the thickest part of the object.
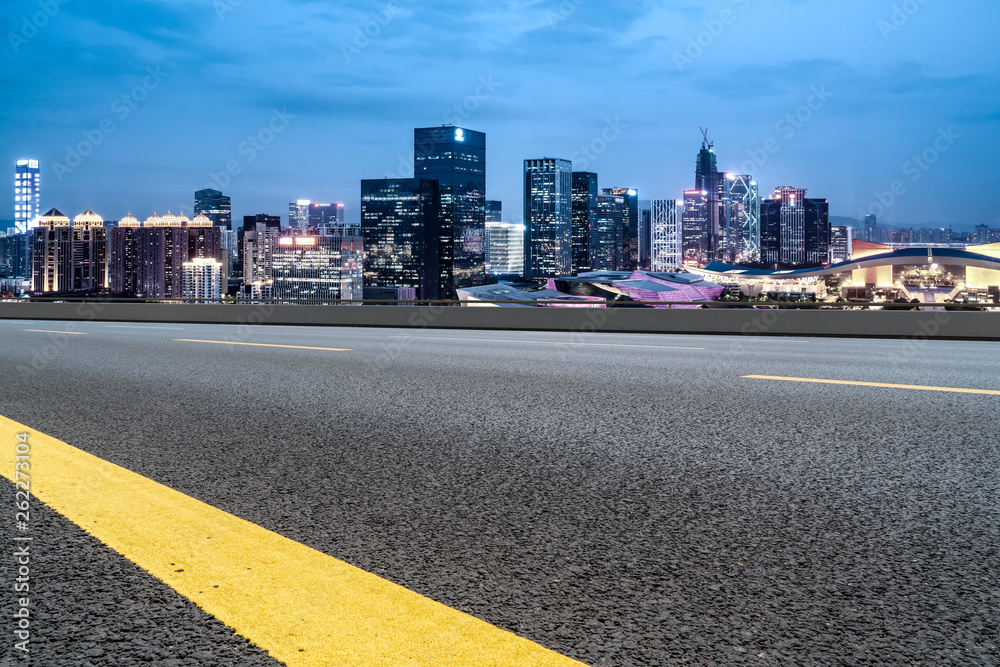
(585, 192)
(645, 238)
(456, 158)
(630, 241)
(708, 180)
(871, 224)
(494, 211)
(215, 206)
(401, 224)
(608, 249)
(694, 230)
(548, 218)
(794, 230)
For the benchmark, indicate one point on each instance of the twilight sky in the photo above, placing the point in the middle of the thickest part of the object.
(162, 95)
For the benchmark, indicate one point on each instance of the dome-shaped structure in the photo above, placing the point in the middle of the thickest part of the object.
(129, 221)
(153, 221)
(169, 220)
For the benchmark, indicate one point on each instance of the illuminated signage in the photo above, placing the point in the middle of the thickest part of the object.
(459, 134)
(305, 240)
(286, 241)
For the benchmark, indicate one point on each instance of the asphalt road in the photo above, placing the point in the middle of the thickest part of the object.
(621, 499)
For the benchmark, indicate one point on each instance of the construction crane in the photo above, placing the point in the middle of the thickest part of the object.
(706, 142)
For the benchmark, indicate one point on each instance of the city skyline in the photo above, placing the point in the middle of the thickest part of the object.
(847, 121)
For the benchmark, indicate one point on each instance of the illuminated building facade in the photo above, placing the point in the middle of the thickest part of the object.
(666, 251)
(841, 242)
(585, 193)
(15, 254)
(741, 204)
(147, 261)
(215, 206)
(318, 267)
(402, 224)
(795, 230)
(694, 228)
(456, 158)
(608, 236)
(202, 278)
(504, 248)
(548, 218)
(629, 253)
(494, 210)
(69, 257)
(27, 194)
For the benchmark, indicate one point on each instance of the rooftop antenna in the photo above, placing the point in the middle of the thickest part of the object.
(706, 142)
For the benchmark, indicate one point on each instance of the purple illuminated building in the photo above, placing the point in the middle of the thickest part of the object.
(640, 286)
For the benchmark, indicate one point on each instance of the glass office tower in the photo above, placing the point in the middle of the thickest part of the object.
(401, 223)
(548, 218)
(585, 192)
(456, 158)
(215, 206)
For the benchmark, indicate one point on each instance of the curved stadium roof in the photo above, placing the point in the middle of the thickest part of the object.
(904, 257)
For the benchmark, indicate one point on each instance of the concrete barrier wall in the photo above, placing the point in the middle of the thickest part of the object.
(855, 323)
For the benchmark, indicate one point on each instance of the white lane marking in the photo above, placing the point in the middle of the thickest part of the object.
(545, 342)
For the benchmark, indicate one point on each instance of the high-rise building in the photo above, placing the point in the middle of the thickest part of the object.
(504, 248)
(255, 243)
(666, 249)
(494, 210)
(741, 202)
(329, 215)
(15, 254)
(694, 228)
(871, 224)
(147, 261)
(712, 183)
(608, 246)
(630, 240)
(795, 230)
(548, 218)
(585, 193)
(318, 266)
(841, 243)
(456, 158)
(215, 206)
(645, 238)
(202, 279)
(298, 214)
(402, 224)
(27, 194)
(69, 258)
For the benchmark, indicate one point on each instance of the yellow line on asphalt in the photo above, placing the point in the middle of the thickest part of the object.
(293, 347)
(956, 390)
(303, 607)
(71, 333)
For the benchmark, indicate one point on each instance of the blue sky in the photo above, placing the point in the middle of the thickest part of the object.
(331, 93)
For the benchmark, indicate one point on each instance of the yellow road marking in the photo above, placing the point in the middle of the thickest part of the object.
(956, 390)
(303, 607)
(71, 333)
(293, 347)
